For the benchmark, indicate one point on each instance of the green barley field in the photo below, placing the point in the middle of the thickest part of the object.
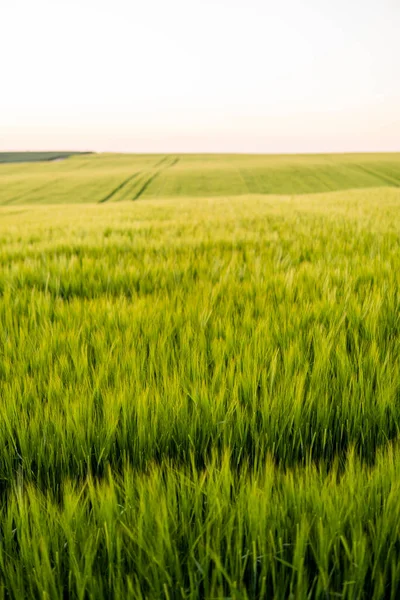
(200, 377)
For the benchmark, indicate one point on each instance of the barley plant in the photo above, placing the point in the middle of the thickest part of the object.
(200, 390)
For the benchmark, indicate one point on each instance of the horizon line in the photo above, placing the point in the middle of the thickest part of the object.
(203, 152)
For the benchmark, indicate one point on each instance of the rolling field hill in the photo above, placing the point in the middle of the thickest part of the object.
(200, 389)
(113, 178)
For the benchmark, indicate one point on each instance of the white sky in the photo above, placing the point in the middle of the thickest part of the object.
(200, 75)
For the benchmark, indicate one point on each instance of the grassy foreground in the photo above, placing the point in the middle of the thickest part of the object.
(201, 398)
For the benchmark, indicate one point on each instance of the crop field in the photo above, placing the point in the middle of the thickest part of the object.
(24, 157)
(200, 377)
(103, 178)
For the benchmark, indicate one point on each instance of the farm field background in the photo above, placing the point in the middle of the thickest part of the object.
(112, 178)
(200, 389)
(25, 157)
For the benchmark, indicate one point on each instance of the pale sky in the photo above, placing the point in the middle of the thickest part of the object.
(200, 75)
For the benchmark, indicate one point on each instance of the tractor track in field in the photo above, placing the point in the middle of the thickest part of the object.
(385, 178)
(119, 187)
(160, 162)
(154, 176)
(161, 165)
